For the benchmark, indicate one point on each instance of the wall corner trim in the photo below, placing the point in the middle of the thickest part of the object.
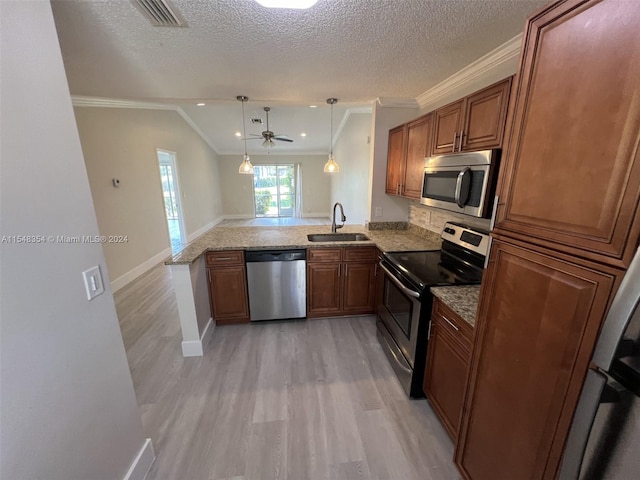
(195, 348)
(500, 55)
(135, 272)
(142, 463)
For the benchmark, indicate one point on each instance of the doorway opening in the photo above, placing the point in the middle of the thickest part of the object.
(274, 190)
(171, 197)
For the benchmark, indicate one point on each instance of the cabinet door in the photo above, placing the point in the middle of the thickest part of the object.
(445, 377)
(396, 159)
(419, 134)
(485, 117)
(539, 317)
(359, 287)
(228, 290)
(323, 289)
(571, 175)
(447, 123)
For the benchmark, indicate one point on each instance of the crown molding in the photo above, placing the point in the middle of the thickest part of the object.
(345, 118)
(82, 101)
(394, 102)
(499, 56)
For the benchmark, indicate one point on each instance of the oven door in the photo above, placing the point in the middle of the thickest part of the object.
(399, 311)
(460, 189)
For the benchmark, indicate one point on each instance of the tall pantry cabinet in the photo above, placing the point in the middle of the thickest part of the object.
(567, 226)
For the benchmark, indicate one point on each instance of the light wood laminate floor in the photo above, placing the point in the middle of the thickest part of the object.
(297, 400)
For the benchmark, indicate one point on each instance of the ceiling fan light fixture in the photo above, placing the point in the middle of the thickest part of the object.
(245, 166)
(331, 166)
(296, 4)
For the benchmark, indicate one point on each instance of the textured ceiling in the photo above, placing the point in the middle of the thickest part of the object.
(355, 50)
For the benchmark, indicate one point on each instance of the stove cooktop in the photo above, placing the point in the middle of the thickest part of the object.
(431, 268)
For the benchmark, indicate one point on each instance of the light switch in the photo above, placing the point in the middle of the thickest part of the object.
(378, 212)
(93, 282)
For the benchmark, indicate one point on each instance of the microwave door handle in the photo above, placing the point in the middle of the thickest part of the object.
(462, 183)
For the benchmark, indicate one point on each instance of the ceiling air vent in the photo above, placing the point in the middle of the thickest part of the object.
(256, 121)
(159, 13)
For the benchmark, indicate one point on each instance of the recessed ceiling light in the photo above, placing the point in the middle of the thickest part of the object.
(298, 4)
(238, 134)
(303, 134)
(313, 106)
(201, 104)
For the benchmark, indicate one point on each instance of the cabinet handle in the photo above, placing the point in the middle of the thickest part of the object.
(460, 143)
(339, 268)
(223, 258)
(450, 323)
(453, 145)
(398, 190)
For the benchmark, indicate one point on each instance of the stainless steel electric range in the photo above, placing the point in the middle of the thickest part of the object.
(404, 311)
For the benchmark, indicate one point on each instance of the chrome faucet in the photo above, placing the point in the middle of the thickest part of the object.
(335, 227)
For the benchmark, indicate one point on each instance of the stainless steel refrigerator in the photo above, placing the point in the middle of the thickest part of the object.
(604, 442)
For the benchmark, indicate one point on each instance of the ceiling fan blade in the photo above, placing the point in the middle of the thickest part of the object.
(282, 139)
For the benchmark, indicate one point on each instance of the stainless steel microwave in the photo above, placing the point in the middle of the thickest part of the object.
(463, 183)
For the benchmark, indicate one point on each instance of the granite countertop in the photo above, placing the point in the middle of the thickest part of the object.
(462, 299)
(262, 238)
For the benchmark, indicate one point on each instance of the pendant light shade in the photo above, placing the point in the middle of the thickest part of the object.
(245, 166)
(331, 166)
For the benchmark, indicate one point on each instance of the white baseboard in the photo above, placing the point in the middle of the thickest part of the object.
(316, 215)
(193, 235)
(142, 463)
(242, 216)
(194, 348)
(134, 273)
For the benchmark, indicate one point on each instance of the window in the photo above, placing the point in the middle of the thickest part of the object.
(274, 190)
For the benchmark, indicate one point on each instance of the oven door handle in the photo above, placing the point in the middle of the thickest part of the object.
(462, 182)
(399, 284)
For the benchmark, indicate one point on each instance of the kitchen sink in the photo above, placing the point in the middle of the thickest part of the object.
(337, 237)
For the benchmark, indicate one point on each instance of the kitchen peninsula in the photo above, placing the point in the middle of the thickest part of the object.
(189, 269)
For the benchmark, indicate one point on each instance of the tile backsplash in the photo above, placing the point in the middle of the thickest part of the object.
(434, 218)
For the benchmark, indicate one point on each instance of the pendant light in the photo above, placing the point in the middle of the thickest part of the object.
(331, 166)
(245, 166)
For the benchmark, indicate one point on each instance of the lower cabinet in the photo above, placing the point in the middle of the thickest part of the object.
(341, 281)
(448, 359)
(228, 286)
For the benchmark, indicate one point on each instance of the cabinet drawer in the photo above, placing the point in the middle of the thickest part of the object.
(225, 257)
(451, 323)
(353, 254)
(323, 255)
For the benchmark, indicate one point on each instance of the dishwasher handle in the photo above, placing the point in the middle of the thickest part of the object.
(275, 255)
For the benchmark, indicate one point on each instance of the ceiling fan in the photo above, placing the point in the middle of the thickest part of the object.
(268, 135)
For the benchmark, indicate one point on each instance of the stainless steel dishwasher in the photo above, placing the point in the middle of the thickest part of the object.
(277, 284)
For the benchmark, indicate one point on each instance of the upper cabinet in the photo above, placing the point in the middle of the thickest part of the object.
(570, 178)
(475, 122)
(409, 144)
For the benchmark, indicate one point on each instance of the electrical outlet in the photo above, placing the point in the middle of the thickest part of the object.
(378, 212)
(93, 282)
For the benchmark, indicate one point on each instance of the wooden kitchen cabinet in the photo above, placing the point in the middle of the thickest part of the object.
(538, 320)
(405, 166)
(476, 122)
(447, 365)
(228, 286)
(567, 227)
(570, 178)
(341, 281)
(396, 154)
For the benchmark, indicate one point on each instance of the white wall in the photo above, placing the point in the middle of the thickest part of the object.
(121, 143)
(394, 209)
(237, 189)
(68, 407)
(352, 151)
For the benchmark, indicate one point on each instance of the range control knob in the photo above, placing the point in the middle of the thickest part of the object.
(449, 230)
